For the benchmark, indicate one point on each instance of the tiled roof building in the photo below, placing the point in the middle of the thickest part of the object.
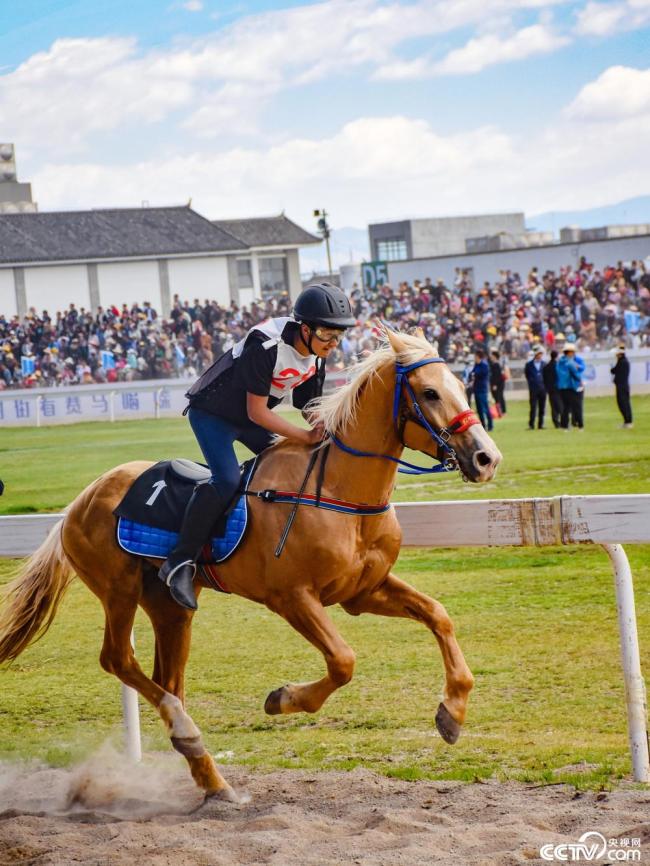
(118, 255)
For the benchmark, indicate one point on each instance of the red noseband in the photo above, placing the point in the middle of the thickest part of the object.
(463, 421)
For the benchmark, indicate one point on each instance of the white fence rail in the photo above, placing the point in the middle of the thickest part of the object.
(605, 520)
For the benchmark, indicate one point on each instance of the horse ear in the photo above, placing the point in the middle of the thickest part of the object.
(395, 339)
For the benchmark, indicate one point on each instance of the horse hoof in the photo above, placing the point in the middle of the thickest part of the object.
(447, 726)
(225, 795)
(273, 703)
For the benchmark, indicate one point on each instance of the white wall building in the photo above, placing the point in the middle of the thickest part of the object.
(487, 267)
(102, 257)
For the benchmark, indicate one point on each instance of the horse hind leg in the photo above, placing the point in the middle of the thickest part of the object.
(117, 657)
(307, 615)
(172, 627)
(394, 597)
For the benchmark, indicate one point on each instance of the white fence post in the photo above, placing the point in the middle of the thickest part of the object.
(131, 715)
(635, 694)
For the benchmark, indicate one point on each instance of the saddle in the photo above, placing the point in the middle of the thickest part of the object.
(151, 512)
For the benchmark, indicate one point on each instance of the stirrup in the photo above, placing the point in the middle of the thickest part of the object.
(169, 576)
(180, 582)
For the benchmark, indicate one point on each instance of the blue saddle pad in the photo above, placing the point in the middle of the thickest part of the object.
(145, 540)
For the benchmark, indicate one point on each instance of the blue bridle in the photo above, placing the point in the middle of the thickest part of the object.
(449, 463)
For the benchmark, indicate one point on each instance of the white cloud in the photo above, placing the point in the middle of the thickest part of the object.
(491, 49)
(405, 157)
(79, 88)
(230, 110)
(620, 92)
(193, 5)
(604, 19)
(479, 53)
(392, 167)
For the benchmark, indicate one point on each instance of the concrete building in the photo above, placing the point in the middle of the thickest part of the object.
(424, 238)
(574, 234)
(101, 257)
(507, 241)
(15, 197)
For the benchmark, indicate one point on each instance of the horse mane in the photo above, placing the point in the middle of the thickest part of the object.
(339, 409)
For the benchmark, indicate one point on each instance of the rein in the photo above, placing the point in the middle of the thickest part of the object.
(461, 422)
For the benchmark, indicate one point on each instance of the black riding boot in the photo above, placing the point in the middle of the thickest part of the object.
(203, 510)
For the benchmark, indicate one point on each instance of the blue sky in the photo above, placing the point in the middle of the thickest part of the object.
(376, 109)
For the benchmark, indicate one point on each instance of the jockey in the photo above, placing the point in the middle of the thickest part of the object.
(233, 400)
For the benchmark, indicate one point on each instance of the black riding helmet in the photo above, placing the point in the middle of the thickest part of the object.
(324, 304)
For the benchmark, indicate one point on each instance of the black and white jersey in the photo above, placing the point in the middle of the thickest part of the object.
(263, 363)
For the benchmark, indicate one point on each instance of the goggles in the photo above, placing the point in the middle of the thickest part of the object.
(327, 336)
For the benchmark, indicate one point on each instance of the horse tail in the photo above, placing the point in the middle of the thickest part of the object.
(31, 599)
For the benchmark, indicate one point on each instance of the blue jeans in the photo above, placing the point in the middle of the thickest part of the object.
(483, 409)
(217, 438)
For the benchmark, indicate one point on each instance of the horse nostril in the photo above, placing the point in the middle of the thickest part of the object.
(482, 459)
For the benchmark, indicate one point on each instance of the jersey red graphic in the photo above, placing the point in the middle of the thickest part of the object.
(289, 373)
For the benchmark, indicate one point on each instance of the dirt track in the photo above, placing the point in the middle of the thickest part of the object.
(144, 815)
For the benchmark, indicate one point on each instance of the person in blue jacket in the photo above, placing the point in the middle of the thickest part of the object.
(569, 382)
(534, 371)
(480, 381)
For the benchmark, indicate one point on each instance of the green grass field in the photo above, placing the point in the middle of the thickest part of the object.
(538, 628)
(45, 468)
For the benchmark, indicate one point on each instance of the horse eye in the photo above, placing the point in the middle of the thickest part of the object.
(431, 394)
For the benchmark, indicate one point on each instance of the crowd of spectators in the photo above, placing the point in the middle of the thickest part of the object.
(122, 345)
(589, 308)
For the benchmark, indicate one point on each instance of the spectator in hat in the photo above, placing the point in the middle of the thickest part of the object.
(534, 371)
(621, 373)
(569, 382)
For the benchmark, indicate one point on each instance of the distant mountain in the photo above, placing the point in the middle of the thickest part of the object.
(346, 245)
(632, 210)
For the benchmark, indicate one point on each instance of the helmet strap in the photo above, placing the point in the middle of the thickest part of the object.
(305, 343)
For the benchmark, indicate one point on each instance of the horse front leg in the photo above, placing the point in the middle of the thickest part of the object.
(307, 615)
(394, 597)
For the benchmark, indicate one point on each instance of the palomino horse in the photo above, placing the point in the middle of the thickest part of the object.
(354, 552)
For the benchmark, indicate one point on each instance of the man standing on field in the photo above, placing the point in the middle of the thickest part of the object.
(536, 390)
(480, 380)
(621, 373)
(550, 383)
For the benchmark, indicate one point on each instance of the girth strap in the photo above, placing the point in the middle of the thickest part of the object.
(324, 502)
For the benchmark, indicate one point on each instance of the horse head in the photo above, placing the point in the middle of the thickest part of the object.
(441, 400)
